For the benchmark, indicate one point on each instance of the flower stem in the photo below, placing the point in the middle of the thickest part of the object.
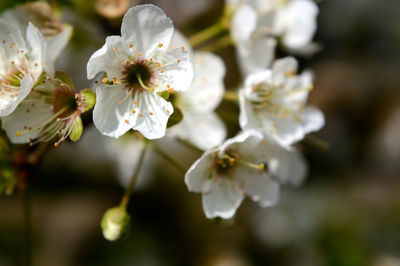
(317, 143)
(128, 191)
(206, 34)
(189, 145)
(169, 159)
(222, 42)
(231, 96)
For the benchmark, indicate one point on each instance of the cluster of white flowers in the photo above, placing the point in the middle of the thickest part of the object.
(150, 79)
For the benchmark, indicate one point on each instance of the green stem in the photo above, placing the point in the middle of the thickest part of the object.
(128, 191)
(231, 96)
(169, 159)
(206, 34)
(189, 145)
(219, 44)
(317, 143)
(27, 205)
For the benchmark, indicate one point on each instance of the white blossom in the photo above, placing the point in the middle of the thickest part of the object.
(22, 60)
(138, 66)
(256, 24)
(51, 110)
(244, 165)
(274, 103)
(41, 14)
(200, 125)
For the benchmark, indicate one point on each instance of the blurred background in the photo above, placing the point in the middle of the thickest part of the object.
(347, 213)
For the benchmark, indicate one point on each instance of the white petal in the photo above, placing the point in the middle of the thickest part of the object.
(146, 26)
(298, 21)
(178, 40)
(256, 55)
(288, 167)
(222, 199)
(282, 67)
(243, 23)
(27, 117)
(8, 105)
(109, 115)
(258, 185)
(203, 130)
(248, 119)
(313, 119)
(200, 172)
(177, 71)
(155, 114)
(207, 88)
(106, 60)
(256, 78)
(37, 53)
(57, 43)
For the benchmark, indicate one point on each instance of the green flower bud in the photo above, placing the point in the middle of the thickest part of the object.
(115, 223)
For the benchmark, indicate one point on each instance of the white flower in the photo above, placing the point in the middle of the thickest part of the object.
(255, 24)
(51, 110)
(273, 102)
(41, 14)
(22, 60)
(246, 164)
(138, 67)
(200, 125)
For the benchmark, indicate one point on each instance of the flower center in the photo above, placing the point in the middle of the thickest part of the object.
(136, 76)
(64, 102)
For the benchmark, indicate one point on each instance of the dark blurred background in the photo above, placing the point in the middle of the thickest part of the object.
(347, 213)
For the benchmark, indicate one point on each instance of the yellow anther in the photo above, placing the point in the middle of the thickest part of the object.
(183, 48)
(114, 49)
(18, 134)
(133, 111)
(140, 115)
(127, 121)
(120, 102)
(35, 64)
(130, 45)
(160, 45)
(136, 103)
(151, 113)
(139, 54)
(104, 80)
(171, 90)
(178, 60)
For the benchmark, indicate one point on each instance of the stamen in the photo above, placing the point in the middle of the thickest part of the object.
(139, 78)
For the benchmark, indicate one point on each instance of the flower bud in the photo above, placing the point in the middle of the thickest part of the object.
(115, 223)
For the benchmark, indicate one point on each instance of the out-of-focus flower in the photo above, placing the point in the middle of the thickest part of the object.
(112, 8)
(47, 20)
(22, 60)
(256, 24)
(53, 109)
(273, 102)
(200, 125)
(246, 164)
(138, 66)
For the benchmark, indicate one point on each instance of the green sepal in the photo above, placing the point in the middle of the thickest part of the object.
(175, 118)
(88, 98)
(64, 77)
(164, 94)
(40, 80)
(77, 129)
